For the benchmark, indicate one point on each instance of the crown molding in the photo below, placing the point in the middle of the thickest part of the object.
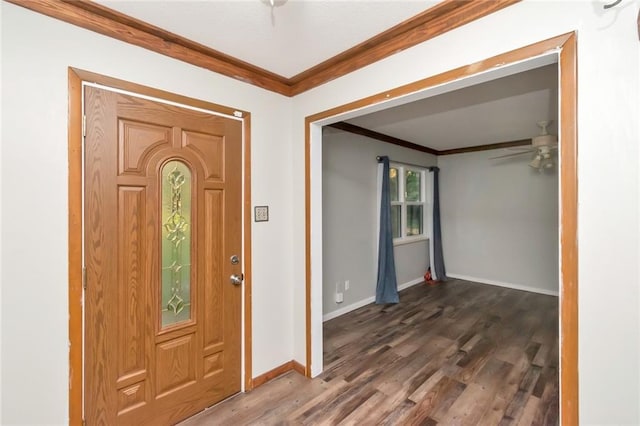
(445, 16)
(487, 147)
(437, 20)
(351, 128)
(105, 21)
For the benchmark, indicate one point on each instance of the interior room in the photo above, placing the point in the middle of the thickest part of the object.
(515, 204)
(499, 215)
(127, 126)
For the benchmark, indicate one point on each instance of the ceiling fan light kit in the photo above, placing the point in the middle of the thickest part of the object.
(535, 163)
(542, 161)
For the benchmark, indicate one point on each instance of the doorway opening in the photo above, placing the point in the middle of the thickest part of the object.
(561, 49)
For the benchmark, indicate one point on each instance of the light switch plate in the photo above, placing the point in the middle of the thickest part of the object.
(261, 213)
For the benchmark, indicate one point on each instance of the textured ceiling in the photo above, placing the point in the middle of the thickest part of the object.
(288, 39)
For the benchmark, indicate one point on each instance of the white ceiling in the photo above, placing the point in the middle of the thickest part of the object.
(299, 34)
(500, 110)
(287, 40)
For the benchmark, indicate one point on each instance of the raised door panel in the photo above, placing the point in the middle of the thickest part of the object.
(132, 281)
(212, 276)
(213, 364)
(136, 142)
(176, 359)
(210, 149)
(131, 398)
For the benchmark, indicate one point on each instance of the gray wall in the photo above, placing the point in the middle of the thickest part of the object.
(500, 220)
(350, 217)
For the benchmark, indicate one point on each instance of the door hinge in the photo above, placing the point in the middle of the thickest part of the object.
(84, 126)
(84, 277)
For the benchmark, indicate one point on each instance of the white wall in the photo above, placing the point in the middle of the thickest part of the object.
(36, 52)
(608, 111)
(350, 218)
(499, 220)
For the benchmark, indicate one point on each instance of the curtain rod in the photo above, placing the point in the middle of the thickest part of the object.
(430, 168)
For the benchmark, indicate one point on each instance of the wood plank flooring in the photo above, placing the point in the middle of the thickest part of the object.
(459, 353)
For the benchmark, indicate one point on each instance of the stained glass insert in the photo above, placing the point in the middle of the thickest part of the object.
(176, 243)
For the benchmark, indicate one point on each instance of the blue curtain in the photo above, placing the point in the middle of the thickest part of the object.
(387, 285)
(438, 269)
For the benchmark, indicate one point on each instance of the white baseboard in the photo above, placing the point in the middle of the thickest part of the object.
(364, 302)
(503, 284)
(348, 308)
(410, 283)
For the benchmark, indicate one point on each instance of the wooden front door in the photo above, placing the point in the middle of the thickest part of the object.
(162, 219)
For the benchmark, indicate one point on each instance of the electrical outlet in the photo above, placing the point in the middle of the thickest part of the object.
(346, 285)
(339, 297)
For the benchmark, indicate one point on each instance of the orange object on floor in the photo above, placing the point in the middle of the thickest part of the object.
(428, 280)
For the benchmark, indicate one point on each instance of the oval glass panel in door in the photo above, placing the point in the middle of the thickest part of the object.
(176, 243)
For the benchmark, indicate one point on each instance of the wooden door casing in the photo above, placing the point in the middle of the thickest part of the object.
(137, 371)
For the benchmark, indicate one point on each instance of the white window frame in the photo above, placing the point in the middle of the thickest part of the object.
(425, 195)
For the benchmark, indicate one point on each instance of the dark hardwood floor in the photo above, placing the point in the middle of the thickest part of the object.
(456, 354)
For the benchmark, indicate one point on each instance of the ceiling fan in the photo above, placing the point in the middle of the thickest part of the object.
(542, 145)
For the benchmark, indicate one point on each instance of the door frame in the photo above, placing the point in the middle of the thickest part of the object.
(76, 78)
(565, 47)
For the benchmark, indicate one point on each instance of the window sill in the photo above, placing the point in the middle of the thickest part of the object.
(409, 240)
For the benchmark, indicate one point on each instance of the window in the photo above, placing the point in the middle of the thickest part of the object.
(408, 190)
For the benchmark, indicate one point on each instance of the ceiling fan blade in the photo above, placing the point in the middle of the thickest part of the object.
(511, 155)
